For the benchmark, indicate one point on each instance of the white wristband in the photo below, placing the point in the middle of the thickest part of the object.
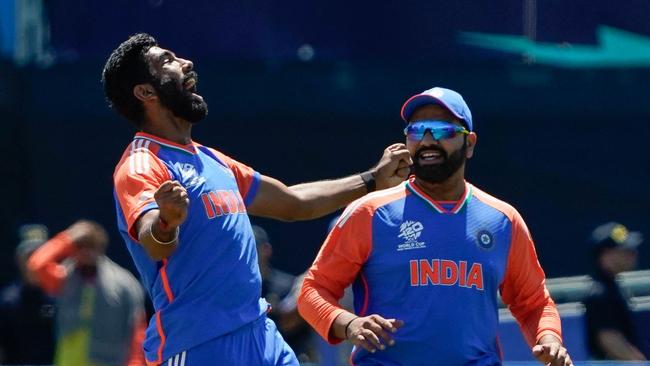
(162, 242)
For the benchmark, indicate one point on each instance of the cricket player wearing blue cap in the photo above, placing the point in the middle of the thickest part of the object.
(427, 258)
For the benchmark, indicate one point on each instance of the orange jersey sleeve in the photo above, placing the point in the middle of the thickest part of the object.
(244, 175)
(340, 258)
(45, 262)
(524, 289)
(137, 177)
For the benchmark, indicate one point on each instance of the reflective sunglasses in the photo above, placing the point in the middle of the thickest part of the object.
(439, 130)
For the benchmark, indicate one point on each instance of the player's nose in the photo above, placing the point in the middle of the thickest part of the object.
(187, 65)
(428, 139)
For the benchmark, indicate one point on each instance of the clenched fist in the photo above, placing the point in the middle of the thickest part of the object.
(172, 201)
(393, 167)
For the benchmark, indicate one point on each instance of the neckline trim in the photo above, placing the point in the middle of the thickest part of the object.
(467, 195)
(189, 148)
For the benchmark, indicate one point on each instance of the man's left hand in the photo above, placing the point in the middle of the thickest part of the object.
(393, 167)
(550, 351)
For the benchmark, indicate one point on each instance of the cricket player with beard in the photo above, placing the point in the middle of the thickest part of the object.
(183, 208)
(426, 259)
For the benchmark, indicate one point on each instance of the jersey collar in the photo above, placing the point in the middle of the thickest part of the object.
(189, 148)
(467, 195)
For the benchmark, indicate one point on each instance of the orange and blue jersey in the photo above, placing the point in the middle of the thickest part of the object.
(211, 284)
(438, 266)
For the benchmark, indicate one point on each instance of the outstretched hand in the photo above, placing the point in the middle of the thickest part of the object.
(393, 167)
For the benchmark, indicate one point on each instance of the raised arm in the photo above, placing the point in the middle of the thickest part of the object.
(157, 229)
(312, 200)
(152, 204)
(45, 262)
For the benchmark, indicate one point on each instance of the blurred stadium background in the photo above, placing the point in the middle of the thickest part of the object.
(310, 90)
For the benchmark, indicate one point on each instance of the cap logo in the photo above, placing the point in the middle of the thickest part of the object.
(34, 233)
(619, 234)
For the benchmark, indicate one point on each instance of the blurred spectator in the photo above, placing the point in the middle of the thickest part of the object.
(309, 348)
(281, 290)
(100, 317)
(26, 312)
(276, 284)
(610, 329)
(295, 329)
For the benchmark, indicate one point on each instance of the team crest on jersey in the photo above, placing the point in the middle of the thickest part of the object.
(410, 231)
(485, 240)
(189, 176)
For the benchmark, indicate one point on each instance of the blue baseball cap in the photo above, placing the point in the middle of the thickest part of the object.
(447, 98)
(616, 236)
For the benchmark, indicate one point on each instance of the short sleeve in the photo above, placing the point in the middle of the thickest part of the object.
(247, 178)
(136, 179)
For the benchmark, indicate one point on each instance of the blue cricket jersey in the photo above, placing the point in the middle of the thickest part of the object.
(438, 267)
(211, 284)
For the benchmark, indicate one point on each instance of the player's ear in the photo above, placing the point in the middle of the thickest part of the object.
(470, 142)
(144, 92)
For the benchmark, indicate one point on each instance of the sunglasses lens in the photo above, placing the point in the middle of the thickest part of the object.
(442, 133)
(415, 132)
(439, 130)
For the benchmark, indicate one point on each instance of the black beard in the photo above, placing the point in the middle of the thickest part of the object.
(180, 100)
(439, 173)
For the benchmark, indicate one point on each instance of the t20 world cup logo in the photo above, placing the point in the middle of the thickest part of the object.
(410, 231)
